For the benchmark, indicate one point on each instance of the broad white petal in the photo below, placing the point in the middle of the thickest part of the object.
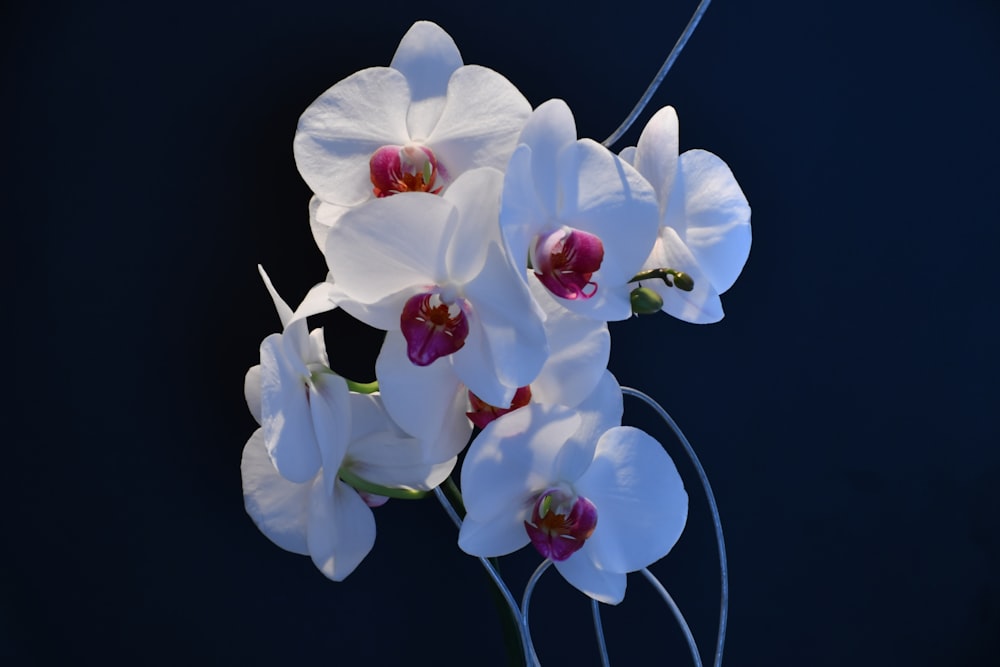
(476, 196)
(656, 153)
(251, 390)
(389, 245)
(513, 459)
(277, 506)
(600, 411)
(511, 321)
(330, 408)
(549, 129)
(475, 365)
(427, 56)
(428, 402)
(495, 536)
(285, 417)
(382, 453)
(480, 123)
(339, 132)
(716, 214)
(640, 499)
(699, 306)
(341, 529)
(628, 154)
(588, 577)
(579, 349)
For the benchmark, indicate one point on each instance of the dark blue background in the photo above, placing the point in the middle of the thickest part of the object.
(845, 409)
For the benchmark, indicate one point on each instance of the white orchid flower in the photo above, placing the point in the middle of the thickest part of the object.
(434, 269)
(704, 220)
(299, 403)
(413, 126)
(329, 517)
(598, 504)
(583, 218)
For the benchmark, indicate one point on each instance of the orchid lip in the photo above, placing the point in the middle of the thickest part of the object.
(482, 413)
(560, 523)
(565, 260)
(409, 168)
(433, 327)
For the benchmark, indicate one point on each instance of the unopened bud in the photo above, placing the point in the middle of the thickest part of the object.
(645, 301)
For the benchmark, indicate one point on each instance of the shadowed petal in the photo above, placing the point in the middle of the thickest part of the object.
(277, 506)
(341, 529)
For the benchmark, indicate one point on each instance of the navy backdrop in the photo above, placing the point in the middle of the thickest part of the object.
(845, 409)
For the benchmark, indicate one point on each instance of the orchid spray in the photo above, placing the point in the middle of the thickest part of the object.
(493, 245)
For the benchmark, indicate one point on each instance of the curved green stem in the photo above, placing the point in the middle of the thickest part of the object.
(371, 487)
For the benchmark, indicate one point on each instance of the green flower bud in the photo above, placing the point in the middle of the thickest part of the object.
(645, 301)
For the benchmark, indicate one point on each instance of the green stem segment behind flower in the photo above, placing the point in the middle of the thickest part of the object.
(370, 487)
(670, 277)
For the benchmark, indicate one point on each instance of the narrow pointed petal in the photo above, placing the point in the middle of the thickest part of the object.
(427, 402)
(286, 420)
(699, 306)
(277, 506)
(341, 529)
(656, 153)
(481, 121)
(330, 409)
(321, 298)
(588, 577)
(640, 499)
(338, 133)
(716, 214)
(284, 312)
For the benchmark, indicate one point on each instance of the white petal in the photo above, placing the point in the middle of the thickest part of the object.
(428, 402)
(628, 154)
(339, 132)
(341, 529)
(511, 321)
(716, 214)
(389, 245)
(321, 298)
(285, 418)
(522, 214)
(588, 577)
(496, 536)
(600, 411)
(322, 216)
(251, 390)
(480, 123)
(640, 499)
(656, 153)
(513, 459)
(427, 57)
(475, 365)
(699, 306)
(330, 408)
(284, 312)
(476, 196)
(549, 129)
(277, 506)
(382, 453)
(579, 349)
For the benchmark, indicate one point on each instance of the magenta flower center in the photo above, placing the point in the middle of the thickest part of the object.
(560, 523)
(565, 260)
(432, 327)
(483, 413)
(409, 168)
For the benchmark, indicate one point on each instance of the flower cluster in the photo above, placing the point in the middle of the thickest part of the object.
(493, 246)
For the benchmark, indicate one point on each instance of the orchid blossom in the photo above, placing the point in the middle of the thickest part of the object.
(583, 218)
(598, 502)
(414, 126)
(704, 221)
